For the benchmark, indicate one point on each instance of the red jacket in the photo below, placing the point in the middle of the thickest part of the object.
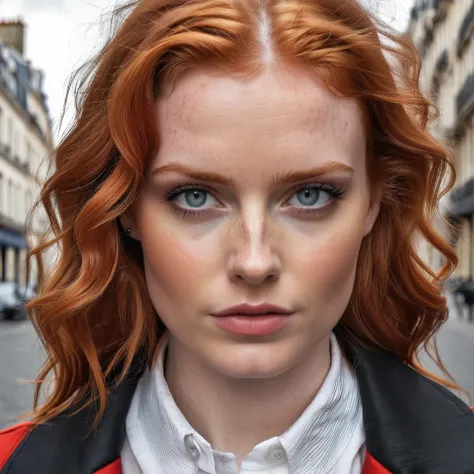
(412, 426)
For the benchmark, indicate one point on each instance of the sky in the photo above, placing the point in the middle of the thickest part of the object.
(62, 34)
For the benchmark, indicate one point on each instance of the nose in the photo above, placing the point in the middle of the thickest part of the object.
(253, 260)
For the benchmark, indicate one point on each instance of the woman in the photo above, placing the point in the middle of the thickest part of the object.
(238, 290)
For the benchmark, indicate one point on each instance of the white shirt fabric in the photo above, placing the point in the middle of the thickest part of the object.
(328, 437)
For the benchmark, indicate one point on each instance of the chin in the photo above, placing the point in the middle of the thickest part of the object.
(253, 360)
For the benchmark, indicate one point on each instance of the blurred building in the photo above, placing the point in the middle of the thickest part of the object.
(443, 32)
(25, 139)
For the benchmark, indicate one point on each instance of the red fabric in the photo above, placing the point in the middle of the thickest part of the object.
(10, 439)
(114, 468)
(372, 466)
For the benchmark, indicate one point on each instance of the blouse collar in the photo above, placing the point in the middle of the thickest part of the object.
(162, 440)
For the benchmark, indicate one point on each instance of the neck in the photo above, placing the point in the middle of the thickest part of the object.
(234, 415)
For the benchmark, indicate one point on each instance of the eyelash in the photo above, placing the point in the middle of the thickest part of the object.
(335, 192)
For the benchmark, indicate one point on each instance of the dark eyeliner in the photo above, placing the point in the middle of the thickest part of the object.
(335, 192)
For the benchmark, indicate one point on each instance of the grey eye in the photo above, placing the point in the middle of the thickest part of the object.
(194, 198)
(310, 196)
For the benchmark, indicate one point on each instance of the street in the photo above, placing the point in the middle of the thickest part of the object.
(21, 357)
(456, 347)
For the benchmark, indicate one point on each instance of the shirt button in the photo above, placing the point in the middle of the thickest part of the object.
(275, 453)
(191, 446)
(224, 462)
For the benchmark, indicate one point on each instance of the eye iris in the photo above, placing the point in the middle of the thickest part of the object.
(196, 197)
(308, 196)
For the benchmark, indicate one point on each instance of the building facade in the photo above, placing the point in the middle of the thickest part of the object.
(443, 32)
(25, 141)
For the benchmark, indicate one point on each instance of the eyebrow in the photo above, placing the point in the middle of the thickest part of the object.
(277, 179)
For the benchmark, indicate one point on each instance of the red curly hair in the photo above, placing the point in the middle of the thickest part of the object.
(93, 313)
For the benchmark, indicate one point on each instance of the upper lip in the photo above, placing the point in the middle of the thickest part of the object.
(250, 309)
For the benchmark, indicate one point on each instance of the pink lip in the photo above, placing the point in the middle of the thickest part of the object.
(249, 309)
(258, 325)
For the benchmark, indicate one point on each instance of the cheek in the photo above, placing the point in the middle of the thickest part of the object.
(329, 264)
(175, 263)
(170, 263)
(172, 277)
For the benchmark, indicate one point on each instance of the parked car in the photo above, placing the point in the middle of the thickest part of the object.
(13, 299)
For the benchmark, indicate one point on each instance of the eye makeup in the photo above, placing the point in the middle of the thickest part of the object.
(333, 192)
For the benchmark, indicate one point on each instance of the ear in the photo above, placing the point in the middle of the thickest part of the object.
(374, 209)
(128, 222)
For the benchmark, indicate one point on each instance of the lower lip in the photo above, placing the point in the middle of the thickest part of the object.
(253, 325)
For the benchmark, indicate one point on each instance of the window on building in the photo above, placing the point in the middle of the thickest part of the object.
(27, 157)
(2, 197)
(10, 203)
(16, 145)
(15, 202)
(33, 161)
(20, 206)
(10, 134)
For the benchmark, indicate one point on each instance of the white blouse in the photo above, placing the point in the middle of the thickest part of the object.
(328, 437)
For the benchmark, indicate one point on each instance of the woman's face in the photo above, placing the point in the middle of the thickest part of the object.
(244, 231)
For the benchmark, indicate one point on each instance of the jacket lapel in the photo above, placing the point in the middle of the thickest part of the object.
(412, 424)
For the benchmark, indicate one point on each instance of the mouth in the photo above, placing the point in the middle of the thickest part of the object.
(253, 320)
(254, 325)
(246, 309)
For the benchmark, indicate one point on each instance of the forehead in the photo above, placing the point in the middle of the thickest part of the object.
(281, 113)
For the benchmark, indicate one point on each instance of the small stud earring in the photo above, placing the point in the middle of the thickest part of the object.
(128, 231)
